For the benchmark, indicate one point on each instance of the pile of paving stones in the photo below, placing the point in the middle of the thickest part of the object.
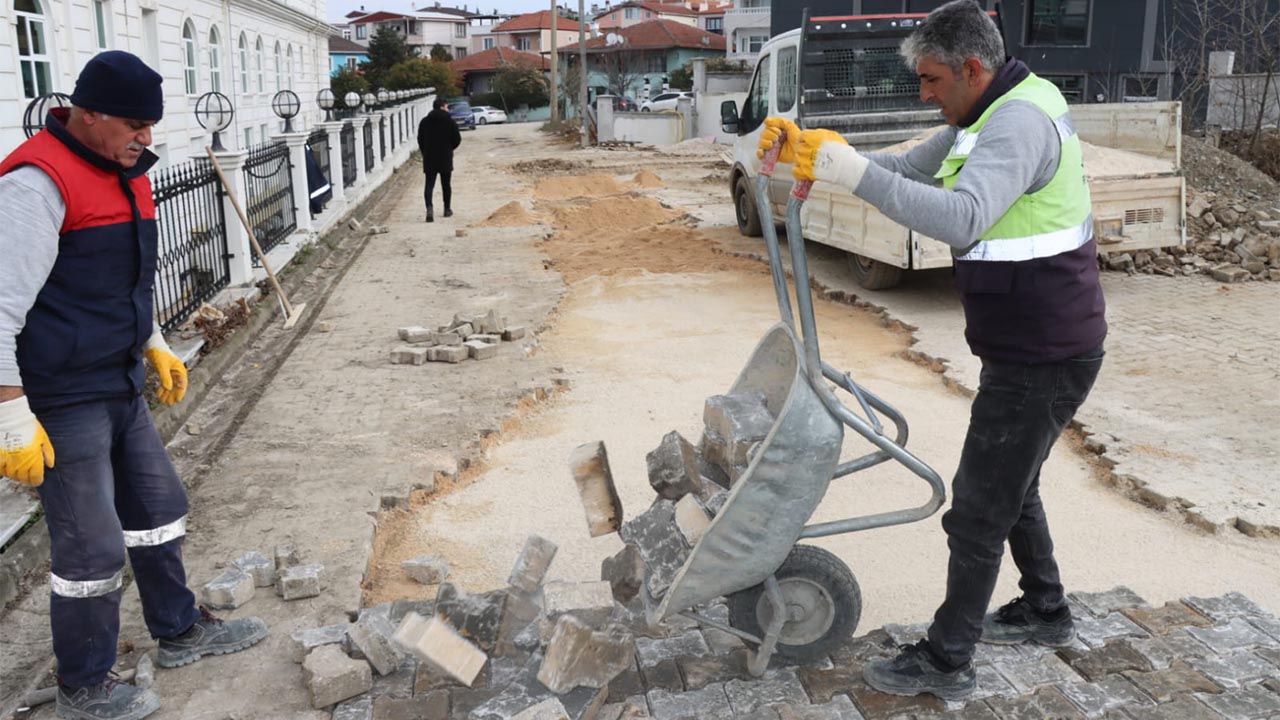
(236, 585)
(1228, 238)
(477, 338)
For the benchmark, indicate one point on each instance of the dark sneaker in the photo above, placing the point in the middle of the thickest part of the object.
(1018, 622)
(210, 636)
(431, 216)
(916, 671)
(448, 212)
(108, 700)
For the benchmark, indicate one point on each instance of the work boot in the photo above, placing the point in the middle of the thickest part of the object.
(108, 700)
(448, 212)
(210, 636)
(916, 671)
(431, 215)
(1018, 622)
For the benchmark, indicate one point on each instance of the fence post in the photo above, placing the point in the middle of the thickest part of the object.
(604, 118)
(297, 142)
(380, 130)
(684, 106)
(238, 245)
(334, 128)
(360, 121)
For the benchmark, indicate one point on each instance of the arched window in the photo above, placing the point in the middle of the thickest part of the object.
(215, 60)
(288, 66)
(244, 64)
(257, 64)
(189, 58)
(34, 56)
(279, 85)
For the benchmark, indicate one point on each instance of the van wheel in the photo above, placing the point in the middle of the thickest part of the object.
(873, 274)
(745, 208)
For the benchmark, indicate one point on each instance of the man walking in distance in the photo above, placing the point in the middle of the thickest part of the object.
(1005, 187)
(438, 137)
(78, 236)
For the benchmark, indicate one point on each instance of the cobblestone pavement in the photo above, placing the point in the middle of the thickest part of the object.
(1198, 658)
(1184, 410)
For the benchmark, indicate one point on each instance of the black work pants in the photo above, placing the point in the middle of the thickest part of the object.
(445, 189)
(1018, 414)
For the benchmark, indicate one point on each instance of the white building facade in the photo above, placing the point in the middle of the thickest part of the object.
(746, 28)
(246, 49)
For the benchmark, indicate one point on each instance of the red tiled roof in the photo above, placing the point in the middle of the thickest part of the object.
(489, 60)
(540, 20)
(339, 44)
(378, 16)
(657, 34)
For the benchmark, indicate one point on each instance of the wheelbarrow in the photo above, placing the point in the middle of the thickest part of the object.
(791, 600)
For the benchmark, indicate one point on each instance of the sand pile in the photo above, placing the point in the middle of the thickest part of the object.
(611, 215)
(577, 186)
(510, 215)
(646, 179)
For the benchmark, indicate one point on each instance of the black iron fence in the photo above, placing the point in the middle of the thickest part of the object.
(347, 137)
(368, 145)
(318, 146)
(268, 177)
(193, 263)
(382, 139)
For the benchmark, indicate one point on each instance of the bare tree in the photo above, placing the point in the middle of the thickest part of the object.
(622, 66)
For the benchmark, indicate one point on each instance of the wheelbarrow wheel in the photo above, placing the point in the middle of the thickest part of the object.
(823, 600)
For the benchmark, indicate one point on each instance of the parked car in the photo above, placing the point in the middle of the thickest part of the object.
(665, 101)
(460, 111)
(625, 103)
(485, 114)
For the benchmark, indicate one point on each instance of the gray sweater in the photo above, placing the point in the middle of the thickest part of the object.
(30, 223)
(1017, 153)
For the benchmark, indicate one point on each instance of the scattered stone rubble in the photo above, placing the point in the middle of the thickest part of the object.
(477, 338)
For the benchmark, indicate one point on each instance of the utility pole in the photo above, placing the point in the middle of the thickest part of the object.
(555, 62)
(582, 70)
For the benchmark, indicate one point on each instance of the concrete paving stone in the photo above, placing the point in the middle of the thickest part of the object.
(590, 465)
(1166, 618)
(989, 654)
(578, 656)
(485, 338)
(490, 322)
(1235, 670)
(823, 685)
(1096, 699)
(409, 356)
(259, 566)
(628, 683)
(775, 687)
(1095, 632)
(633, 708)
(479, 350)
(529, 639)
(432, 706)
(476, 616)
(876, 705)
(462, 701)
(1268, 625)
(426, 569)
(1110, 659)
(414, 334)
(1160, 651)
(761, 713)
(654, 534)
(464, 329)
(1102, 604)
(525, 691)
(447, 354)
(1235, 634)
(371, 635)
(907, 634)
(446, 338)
(991, 684)
(228, 591)
(673, 467)
(708, 703)
(971, 711)
(358, 708)
(699, 672)
(692, 519)
(144, 673)
(840, 708)
(590, 602)
(723, 643)
(532, 564)
(399, 682)
(1048, 670)
(664, 675)
(624, 571)
(1185, 707)
(1178, 678)
(296, 582)
(304, 641)
(400, 608)
(513, 333)
(440, 646)
(1226, 607)
(741, 419)
(874, 645)
(1043, 703)
(332, 677)
(1247, 703)
(549, 709)
(651, 651)
(523, 610)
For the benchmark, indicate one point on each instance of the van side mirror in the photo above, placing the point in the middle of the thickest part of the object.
(729, 116)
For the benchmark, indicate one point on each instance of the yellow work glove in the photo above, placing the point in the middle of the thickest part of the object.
(775, 127)
(25, 449)
(172, 371)
(825, 155)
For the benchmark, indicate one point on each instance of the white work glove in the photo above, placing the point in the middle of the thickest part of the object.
(25, 449)
(825, 155)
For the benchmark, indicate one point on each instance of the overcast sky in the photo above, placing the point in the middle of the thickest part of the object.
(338, 8)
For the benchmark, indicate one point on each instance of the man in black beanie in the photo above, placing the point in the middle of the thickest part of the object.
(79, 237)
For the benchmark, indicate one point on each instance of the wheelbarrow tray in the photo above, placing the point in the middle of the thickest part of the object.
(783, 484)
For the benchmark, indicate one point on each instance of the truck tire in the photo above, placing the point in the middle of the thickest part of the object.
(744, 207)
(824, 593)
(873, 274)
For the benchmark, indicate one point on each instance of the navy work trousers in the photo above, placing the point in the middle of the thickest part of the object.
(1018, 414)
(112, 490)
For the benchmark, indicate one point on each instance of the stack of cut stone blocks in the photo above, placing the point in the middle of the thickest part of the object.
(477, 338)
(236, 585)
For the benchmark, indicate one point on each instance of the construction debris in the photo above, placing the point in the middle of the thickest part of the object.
(438, 645)
(624, 572)
(426, 569)
(228, 591)
(735, 426)
(415, 334)
(332, 677)
(673, 467)
(532, 565)
(257, 565)
(578, 656)
(299, 581)
(477, 617)
(590, 602)
(304, 641)
(655, 535)
(409, 355)
(692, 519)
(478, 338)
(286, 555)
(600, 499)
(371, 635)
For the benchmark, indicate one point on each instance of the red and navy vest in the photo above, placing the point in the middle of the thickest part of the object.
(84, 336)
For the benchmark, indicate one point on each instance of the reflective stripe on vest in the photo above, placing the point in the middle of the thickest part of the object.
(85, 588)
(156, 536)
(1032, 246)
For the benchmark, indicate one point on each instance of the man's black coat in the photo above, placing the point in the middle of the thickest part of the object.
(437, 137)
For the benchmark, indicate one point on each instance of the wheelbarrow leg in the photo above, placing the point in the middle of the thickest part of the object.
(777, 618)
